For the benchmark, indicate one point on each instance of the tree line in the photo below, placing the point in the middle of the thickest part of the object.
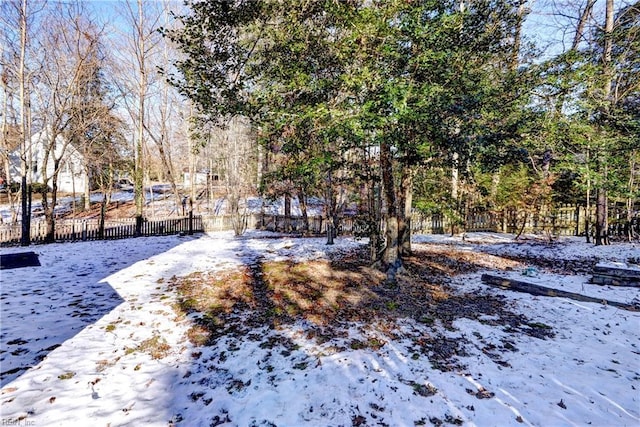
(441, 106)
(436, 105)
(82, 77)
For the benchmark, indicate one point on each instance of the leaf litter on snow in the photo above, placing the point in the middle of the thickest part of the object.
(284, 331)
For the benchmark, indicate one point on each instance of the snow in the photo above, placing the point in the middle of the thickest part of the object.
(160, 200)
(620, 265)
(74, 330)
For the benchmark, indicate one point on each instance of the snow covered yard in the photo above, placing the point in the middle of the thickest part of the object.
(102, 334)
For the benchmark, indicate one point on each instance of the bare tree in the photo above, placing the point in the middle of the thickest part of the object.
(70, 41)
(19, 19)
(25, 194)
(9, 127)
(132, 50)
(234, 159)
(582, 24)
(151, 104)
(163, 112)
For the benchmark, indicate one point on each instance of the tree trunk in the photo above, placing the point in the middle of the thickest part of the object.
(330, 208)
(606, 54)
(87, 191)
(582, 22)
(138, 187)
(49, 208)
(103, 214)
(192, 168)
(455, 178)
(517, 38)
(534, 289)
(495, 183)
(6, 166)
(587, 219)
(607, 72)
(602, 235)
(524, 224)
(302, 200)
(142, 93)
(632, 172)
(25, 192)
(391, 256)
(374, 217)
(455, 193)
(404, 219)
(391, 259)
(287, 212)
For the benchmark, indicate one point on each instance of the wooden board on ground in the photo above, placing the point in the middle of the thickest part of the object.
(616, 276)
(520, 286)
(19, 260)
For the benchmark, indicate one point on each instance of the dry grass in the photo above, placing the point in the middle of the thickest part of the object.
(324, 291)
(329, 293)
(156, 346)
(319, 291)
(447, 260)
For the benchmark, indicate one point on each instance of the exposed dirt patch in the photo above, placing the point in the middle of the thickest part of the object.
(328, 294)
(445, 260)
(115, 210)
(558, 266)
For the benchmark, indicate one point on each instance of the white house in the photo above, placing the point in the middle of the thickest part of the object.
(200, 178)
(72, 177)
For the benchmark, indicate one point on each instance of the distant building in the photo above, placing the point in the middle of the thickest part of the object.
(72, 176)
(200, 178)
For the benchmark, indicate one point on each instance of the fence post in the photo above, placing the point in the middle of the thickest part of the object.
(190, 223)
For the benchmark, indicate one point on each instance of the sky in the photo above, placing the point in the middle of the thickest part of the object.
(549, 24)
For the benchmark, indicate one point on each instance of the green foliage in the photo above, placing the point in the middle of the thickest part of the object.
(355, 93)
(40, 188)
(432, 192)
(516, 181)
(216, 50)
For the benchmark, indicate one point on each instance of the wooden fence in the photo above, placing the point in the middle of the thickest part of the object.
(563, 220)
(90, 229)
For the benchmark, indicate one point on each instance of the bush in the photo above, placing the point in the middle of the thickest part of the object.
(38, 187)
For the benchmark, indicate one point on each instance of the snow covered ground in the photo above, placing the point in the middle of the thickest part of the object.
(91, 337)
(160, 202)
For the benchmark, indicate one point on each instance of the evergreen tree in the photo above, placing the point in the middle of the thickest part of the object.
(393, 84)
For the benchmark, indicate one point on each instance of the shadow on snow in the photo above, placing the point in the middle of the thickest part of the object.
(44, 306)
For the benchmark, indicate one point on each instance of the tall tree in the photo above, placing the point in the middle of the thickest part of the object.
(142, 42)
(393, 78)
(24, 129)
(162, 124)
(585, 88)
(94, 128)
(71, 41)
(602, 232)
(19, 20)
